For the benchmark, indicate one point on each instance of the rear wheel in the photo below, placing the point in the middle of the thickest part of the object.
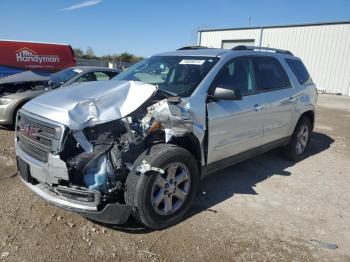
(161, 200)
(299, 143)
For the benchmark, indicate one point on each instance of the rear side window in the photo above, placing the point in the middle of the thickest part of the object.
(88, 77)
(269, 74)
(299, 70)
(96, 76)
(102, 76)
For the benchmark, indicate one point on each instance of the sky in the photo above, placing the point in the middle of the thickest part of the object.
(146, 27)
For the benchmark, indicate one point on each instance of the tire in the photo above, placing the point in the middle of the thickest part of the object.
(299, 143)
(150, 201)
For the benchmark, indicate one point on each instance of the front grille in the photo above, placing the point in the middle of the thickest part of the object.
(34, 151)
(37, 138)
(47, 130)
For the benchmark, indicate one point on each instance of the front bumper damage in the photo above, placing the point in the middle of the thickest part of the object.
(113, 213)
(83, 202)
(101, 141)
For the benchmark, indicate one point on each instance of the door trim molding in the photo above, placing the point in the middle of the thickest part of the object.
(230, 161)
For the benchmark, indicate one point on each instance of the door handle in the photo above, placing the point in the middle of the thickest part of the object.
(293, 100)
(258, 107)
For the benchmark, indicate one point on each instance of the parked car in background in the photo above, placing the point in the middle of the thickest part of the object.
(140, 144)
(16, 90)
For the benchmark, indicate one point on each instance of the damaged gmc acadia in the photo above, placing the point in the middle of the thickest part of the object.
(140, 143)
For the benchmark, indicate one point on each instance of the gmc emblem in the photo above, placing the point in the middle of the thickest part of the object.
(28, 130)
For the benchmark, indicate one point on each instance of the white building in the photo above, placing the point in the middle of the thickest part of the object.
(323, 47)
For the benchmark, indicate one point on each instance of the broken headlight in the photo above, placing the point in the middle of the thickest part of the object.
(5, 101)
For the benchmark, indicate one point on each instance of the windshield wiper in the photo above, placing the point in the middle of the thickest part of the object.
(165, 93)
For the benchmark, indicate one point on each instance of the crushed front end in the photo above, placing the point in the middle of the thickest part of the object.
(85, 169)
(40, 144)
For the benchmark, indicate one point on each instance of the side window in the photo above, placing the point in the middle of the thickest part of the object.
(155, 73)
(299, 70)
(237, 74)
(269, 74)
(87, 77)
(101, 76)
(111, 74)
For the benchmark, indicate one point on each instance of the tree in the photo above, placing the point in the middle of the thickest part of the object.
(78, 52)
(126, 57)
(90, 53)
(123, 57)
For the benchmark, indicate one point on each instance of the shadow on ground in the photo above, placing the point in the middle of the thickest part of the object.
(243, 177)
(7, 128)
(238, 179)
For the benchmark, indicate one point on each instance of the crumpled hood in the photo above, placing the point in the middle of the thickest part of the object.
(92, 103)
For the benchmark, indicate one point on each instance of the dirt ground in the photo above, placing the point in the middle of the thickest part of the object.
(264, 209)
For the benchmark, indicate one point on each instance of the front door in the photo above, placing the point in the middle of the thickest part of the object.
(235, 126)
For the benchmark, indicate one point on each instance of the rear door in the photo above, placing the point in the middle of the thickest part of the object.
(235, 126)
(279, 95)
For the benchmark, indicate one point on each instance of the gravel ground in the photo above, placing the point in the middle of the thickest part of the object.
(265, 209)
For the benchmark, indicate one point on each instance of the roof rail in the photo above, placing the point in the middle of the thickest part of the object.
(192, 47)
(261, 48)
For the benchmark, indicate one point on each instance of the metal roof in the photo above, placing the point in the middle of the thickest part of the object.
(215, 52)
(211, 52)
(276, 26)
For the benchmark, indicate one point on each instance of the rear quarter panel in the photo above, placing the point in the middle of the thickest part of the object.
(306, 95)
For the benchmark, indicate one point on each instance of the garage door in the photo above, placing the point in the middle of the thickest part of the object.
(229, 44)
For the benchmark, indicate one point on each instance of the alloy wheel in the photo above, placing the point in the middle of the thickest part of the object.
(170, 190)
(302, 139)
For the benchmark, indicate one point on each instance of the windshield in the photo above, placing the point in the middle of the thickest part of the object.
(64, 75)
(179, 75)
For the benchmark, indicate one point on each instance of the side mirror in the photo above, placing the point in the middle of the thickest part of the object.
(222, 93)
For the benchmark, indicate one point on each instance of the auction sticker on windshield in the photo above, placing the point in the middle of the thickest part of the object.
(191, 62)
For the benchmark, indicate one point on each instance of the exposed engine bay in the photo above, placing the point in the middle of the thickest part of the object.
(12, 88)
(100, 157)
(22, 82)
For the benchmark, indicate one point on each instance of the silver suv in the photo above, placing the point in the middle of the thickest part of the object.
(140, 143)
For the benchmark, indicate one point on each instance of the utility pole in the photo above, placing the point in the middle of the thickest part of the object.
(249, 20)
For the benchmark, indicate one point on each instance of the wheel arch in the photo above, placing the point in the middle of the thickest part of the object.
(191, 143)
(310, 114)
(15, 110)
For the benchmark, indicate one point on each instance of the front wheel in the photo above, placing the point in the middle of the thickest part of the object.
(299, 143)
(161, 200)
